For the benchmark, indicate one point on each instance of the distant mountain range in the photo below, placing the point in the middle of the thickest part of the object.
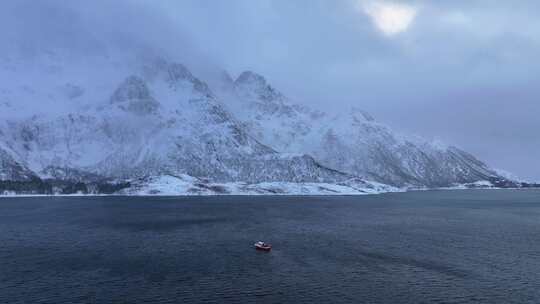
(147, 125)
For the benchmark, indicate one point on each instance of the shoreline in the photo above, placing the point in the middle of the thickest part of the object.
(249, 194)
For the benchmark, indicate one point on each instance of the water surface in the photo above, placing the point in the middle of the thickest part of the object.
(418, 247)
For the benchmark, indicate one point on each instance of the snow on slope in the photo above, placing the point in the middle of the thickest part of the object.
(351, 142)
(188, 185)
(11, 170)
(144, 116)
(157, 119)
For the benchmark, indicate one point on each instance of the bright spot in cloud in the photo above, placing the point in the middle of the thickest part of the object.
(390, 18)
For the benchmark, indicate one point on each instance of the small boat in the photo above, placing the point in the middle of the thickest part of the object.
(263, 246)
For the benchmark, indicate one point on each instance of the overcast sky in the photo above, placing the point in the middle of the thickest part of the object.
(462, 71)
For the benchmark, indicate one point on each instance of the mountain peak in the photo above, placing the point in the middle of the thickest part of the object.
(134, 96)
(253, 85)
(361, 115)
(249, 77)
(133, 87)
(177, 73)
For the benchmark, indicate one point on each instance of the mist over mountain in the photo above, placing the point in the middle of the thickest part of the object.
(350, 141)
(105, 97)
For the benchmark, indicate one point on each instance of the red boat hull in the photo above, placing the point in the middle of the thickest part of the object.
(263, 248)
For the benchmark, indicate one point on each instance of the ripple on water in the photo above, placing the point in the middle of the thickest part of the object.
(426, 247)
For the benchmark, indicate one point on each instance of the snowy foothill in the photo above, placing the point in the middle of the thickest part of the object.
(187, 185)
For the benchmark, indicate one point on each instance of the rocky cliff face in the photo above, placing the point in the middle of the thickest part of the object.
(11, 170)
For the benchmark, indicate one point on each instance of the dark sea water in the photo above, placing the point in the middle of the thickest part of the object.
(418, 247)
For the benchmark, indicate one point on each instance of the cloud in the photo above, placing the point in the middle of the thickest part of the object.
(391, 18)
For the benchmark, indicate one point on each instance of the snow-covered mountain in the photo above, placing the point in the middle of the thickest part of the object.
(351, 142)
(114, 121)
(157, 120)
(93, 103)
